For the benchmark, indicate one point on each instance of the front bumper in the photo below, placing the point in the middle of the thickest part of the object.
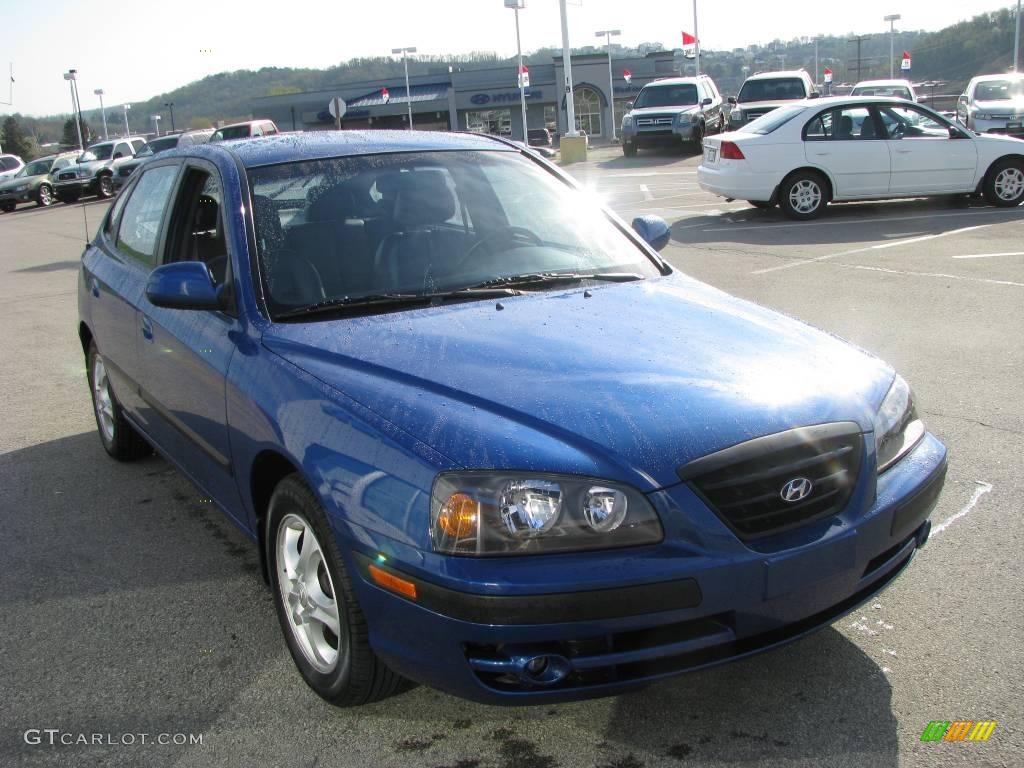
(660, 137)
(25, 196)
(1014, 127)
(710, 605)
(75, 187)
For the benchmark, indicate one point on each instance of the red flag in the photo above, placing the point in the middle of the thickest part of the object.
(524, 77)
(627, 76)
(689, 45)
(828, 75)
(385, 94)
(688, 39)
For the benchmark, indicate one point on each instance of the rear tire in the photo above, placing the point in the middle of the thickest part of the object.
(44, 196)
(1004, 184)
(105, 186)
(8, 207)
(119, 438)
(323, 625)
(803, 195)
(629, 150)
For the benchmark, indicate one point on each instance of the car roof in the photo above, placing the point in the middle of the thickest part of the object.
(1005, 76)
(319, 145)
(781, 73)
(675, 80)
(895, 81)
(832, 100)
(246, 122)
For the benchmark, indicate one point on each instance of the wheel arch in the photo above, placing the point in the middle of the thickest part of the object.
(991, 166)
(268, 469)
(85, 336)
(829, 182)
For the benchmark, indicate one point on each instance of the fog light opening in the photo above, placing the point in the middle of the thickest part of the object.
(545, 669)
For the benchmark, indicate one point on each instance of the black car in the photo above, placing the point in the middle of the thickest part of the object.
(538, 137)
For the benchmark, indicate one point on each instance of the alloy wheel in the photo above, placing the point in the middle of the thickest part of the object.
(45, 195)
(106, 186)
(102, 400)
(308, 594)
(805, 196)
(1009, 183)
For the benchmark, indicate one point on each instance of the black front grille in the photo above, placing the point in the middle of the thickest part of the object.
(67, 175)
(745, 484)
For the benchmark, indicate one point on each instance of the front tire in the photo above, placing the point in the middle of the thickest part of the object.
(8, 207)
(629, 150)
(119, 438)
(323, 625)
(105, 186)
(1004, 184)
(44, 197)
(803, 195)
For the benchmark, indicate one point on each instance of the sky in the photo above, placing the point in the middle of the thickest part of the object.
(139, 50)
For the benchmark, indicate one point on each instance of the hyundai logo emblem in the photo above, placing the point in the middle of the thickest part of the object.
(797, 489)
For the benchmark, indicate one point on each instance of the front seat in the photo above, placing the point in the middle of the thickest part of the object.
(291, 278)
(419, 248)
(867, 128)
(845, 128)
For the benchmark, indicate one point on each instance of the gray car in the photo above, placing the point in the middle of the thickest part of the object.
(124, 170)
(672, 111)
(993, 104)
(764, 91)
(93, 174)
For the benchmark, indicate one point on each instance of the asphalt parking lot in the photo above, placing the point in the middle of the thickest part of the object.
(131, 607)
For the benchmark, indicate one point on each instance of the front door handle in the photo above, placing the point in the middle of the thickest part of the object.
(902, 151)
(147, 329)
(95, 287)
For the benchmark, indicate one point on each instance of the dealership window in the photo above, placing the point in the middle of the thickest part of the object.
(587, 104)
(494, 121)
(621, 108)
(550, 117)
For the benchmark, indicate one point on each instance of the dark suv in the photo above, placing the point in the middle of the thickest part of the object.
(672, 111)
(538, 137)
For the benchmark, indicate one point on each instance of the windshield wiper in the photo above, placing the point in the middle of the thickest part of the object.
(537, 278)
(396, 300)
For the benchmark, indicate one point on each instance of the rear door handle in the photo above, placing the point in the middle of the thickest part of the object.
(902, 151)
(147, 329)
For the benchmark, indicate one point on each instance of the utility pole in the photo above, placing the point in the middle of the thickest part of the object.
(696, 35)
(816, 39)
(892, 18)
(1016, 43)
(570, 107)
(515, 5)
(858, 40)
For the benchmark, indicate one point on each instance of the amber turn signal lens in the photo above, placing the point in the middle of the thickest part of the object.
(459, 516)
(392, 582)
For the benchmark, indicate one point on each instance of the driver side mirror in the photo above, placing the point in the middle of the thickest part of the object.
(653, 230)
(705, 102)
(814, 95)
(629, 105)
(956, 133)
(731, 100)
(118, 155)
(183, 285)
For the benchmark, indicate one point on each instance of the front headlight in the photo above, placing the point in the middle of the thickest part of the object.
(683, 118)
(514, 513)
(627, 121)
(22, 187)
(736, 114)
(981, 116)
(897, 427)
(82, 173)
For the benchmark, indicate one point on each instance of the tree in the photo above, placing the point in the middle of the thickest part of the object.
(15, 141)
(70, 136)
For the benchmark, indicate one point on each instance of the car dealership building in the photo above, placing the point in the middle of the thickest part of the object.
(484, 100)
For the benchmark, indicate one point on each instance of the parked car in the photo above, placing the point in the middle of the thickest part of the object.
(765, 91)
(247, 130)
(94, 172)
(34, 182)
(993, 104)
(483, 436)
(545, 152)
(672, 111)
(10, 165)
(897, 89)
(539, 137)
(125, 169)
(858, 148)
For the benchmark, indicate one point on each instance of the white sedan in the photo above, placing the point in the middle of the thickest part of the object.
(808, 154)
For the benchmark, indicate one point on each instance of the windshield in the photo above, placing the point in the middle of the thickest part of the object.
(769, 122)
(158, 145)
(999, 90)
(37, 167)
(421, 223)
(97, 152)
(895, 91)
(666, 96)
(774, 89)
(237, 132)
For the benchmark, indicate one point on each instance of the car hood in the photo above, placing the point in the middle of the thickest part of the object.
(643, 111)
(628, 383)
(10, 183)
(1001, 107)
(751, 106)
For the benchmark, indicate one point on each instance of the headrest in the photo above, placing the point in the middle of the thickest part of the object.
(331, 204)
(423, 198)
(206, 214)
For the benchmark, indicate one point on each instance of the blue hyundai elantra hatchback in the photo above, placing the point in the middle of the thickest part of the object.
(483, 436)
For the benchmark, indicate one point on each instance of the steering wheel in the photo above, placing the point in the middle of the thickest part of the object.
(899, 129)
(508, 231)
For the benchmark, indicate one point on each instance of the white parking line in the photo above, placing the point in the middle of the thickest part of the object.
(838, 223)
(980, 491)
(922, 238)
(989, 255)
(943, 275)
(648, 173)
(647, 192)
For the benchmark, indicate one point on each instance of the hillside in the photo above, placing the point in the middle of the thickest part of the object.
(951, 55)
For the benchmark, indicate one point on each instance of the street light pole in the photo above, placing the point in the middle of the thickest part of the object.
(816, 39)
(156, 124)
(570, 108)
(170, 106)
(405, 61)
(516, 5)
(608, 34)
(103, 112)
(892, 19)
(696, 45)
(1016, 43)
(127, 130)
(70, 76)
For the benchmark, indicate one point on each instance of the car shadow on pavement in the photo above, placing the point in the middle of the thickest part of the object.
(841, 223)
(649, 158)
